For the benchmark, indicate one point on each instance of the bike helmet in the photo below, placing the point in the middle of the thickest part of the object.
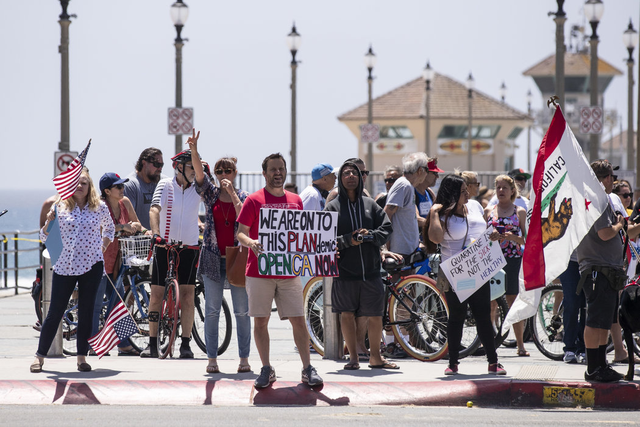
(181, 157)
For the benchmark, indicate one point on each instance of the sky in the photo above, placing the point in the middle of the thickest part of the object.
(236, 72)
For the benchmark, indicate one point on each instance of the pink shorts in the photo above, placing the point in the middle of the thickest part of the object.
(287, 294)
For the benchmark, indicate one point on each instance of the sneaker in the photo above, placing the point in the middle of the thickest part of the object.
(185, 352)
(398, 352)
(388, 350)
(497, 369)
(570, 357)
(451, 370)
(311, 377)
(150, 352)
(603, 375)
(266, 377)
(582, 358)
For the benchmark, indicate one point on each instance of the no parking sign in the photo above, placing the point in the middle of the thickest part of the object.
(591, 120)
(180, 121)
(62, 160)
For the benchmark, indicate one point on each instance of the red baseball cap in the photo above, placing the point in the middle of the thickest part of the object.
(432, 166)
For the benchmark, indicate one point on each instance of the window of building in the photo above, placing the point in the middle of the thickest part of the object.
(460, 131)
(395, 132)
(514, 133)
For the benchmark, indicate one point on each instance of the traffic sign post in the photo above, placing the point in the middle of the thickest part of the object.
(180, 121)
(62, 160)
(591, 120)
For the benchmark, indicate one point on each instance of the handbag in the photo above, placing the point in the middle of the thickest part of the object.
(237, 265)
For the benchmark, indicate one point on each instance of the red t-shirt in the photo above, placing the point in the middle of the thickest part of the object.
(224, 220)
(250, 215)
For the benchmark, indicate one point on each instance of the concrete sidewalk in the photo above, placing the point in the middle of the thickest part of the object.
(115, 380)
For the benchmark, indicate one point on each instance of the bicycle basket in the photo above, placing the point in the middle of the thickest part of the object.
(135, 250)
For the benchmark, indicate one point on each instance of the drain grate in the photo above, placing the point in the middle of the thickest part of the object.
(537, 372)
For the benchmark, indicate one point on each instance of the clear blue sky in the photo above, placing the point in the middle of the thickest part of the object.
(236, 71)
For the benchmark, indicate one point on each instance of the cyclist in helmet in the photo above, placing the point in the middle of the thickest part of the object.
(174, 218)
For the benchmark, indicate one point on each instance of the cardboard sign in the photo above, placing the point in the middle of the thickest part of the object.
(474, 266)
(297, 243)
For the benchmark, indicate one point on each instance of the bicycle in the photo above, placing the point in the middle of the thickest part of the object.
(416, 311)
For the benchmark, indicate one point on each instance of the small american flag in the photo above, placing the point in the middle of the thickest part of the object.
(67, 182)
(119, 326)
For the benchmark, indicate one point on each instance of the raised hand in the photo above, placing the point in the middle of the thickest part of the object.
(193, 140)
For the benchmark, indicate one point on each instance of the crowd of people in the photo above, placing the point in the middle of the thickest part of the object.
(408, 217)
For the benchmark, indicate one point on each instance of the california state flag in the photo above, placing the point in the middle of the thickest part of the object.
(566, 200)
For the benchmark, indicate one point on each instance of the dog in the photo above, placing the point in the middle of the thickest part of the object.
(629, 319)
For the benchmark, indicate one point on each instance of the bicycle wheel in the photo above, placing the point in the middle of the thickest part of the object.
(313, 295)
(470, 340)
(169, 318)
(547, 326)
(137, 302)
(418, 317)
(70, 328)
(224, 324)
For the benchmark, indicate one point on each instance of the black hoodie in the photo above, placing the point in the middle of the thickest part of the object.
(362, 261)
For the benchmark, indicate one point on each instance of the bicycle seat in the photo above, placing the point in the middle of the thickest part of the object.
(390, 265)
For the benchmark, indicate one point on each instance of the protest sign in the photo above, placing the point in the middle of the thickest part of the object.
(474, 266)
(297, 243)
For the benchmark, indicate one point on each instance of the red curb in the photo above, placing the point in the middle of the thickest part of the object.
(490, 393)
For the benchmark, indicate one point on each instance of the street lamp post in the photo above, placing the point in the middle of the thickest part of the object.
(370, 62)
(593, 10)
(64, 21)
(560, 18)
(427, 75)
(470, 85)
(293, 42)
(503, 91)
(529, 131)
(630, 39)
(179, 15)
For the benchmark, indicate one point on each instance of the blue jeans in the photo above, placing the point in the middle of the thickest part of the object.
(213, 303)
(62, 288)
(106, 288)
(574, 309)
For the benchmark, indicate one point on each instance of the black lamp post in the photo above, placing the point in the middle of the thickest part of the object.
(370, 62)
(293, 42)
(65, 21)
(179, 15)
(503, 91)
(593, 10)
(560, 18)
(630, 39)
(427, 74)
(470, 85)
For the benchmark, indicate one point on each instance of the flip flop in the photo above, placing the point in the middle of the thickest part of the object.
(386, 365)
(244, 368)
(352, 366)
(131, 352)
(213, 369)
(523, 353)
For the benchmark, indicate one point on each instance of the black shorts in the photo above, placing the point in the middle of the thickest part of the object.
(186, 263)
(364, 298)
(602, 302)
(512, 273)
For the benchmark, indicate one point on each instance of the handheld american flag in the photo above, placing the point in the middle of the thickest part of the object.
(67, 182)
(119, 326)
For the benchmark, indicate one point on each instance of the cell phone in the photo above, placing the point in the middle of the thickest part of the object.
(500, 229)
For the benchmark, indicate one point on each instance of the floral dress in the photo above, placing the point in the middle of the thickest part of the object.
(511, 224)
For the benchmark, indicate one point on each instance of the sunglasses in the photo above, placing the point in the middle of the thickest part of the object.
(221, 171)
(625, 195)
(158, 165)
(390, 180)
(364, 173)
(118, 186)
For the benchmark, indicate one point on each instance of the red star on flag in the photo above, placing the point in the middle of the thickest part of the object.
(586, 204)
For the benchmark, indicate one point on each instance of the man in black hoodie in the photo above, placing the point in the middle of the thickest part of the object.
(363, 228)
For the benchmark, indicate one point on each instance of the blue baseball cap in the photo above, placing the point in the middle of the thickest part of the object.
(110, 179)
(321, 170)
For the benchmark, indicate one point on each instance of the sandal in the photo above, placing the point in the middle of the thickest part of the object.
(36, 367)
(213, 369)
(244, 368)
(352, 366)
(385, 365)
(523, 353)
(130, 352)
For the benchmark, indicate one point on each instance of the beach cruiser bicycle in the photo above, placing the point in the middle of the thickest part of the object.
(416, 310)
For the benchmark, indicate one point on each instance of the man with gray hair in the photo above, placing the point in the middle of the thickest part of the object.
(391, 175)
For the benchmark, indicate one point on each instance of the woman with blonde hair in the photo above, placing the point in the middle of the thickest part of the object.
(86, 229)
(508, 221)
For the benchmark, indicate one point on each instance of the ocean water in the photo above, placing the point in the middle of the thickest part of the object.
(23, 216)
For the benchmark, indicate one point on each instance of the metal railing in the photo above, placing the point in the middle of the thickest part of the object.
(13, 244)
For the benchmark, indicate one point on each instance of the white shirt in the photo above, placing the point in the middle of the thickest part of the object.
(453, 237)
(179, 211)
(312, 200)
(82, 231)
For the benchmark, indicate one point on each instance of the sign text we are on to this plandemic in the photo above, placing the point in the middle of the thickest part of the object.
(297, 243)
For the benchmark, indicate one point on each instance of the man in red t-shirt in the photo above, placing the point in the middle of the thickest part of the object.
(263, 290)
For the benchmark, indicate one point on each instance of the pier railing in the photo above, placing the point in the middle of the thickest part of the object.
(12, 246)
